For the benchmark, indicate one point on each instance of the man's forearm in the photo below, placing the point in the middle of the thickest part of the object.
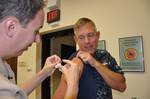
(113, 79)
(31, 84)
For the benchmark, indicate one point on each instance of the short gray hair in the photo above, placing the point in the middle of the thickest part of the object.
(83, 21)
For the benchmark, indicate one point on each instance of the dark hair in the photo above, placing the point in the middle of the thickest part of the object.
(23, 10)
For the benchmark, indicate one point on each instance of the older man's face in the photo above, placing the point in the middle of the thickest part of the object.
(87, 38)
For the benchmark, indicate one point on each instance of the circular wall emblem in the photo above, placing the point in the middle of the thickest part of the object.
(130, 54)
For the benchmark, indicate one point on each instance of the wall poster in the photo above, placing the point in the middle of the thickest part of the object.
(131, 53)
(101, 44)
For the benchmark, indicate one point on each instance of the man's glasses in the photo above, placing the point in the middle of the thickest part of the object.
(88, 36)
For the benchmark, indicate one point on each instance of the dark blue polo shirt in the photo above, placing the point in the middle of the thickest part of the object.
(91, 84)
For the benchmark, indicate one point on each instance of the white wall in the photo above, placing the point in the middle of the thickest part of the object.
(114, 19)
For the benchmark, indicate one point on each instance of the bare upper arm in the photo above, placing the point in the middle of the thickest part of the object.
(79, 63)
(61, 89)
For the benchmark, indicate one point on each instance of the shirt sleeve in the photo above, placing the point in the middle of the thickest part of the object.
(73, 55)
(7, 96)
(104, 57)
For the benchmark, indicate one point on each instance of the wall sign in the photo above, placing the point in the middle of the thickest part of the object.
(101, 44)
(53, 15)
(131, 53)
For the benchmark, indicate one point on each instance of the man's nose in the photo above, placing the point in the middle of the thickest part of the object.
(86, 39)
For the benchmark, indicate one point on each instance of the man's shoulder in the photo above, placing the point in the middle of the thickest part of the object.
(5, 83)
(73, 55)
(100, 53)
(10, 90)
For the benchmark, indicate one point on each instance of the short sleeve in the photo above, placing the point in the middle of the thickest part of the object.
(104, 57)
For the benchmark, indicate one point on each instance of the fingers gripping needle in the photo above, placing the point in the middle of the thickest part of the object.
(58, 65)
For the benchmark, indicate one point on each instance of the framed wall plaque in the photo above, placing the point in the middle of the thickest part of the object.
(101, 44)
(131, 53)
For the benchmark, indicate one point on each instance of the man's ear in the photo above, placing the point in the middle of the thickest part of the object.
(11, 24)
(98, 34)
(75, 38)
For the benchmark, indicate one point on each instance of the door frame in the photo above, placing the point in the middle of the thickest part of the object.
(45, 52)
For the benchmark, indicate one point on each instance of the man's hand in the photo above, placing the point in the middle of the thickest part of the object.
(71, 71)
(50, 63)
(86, 57)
